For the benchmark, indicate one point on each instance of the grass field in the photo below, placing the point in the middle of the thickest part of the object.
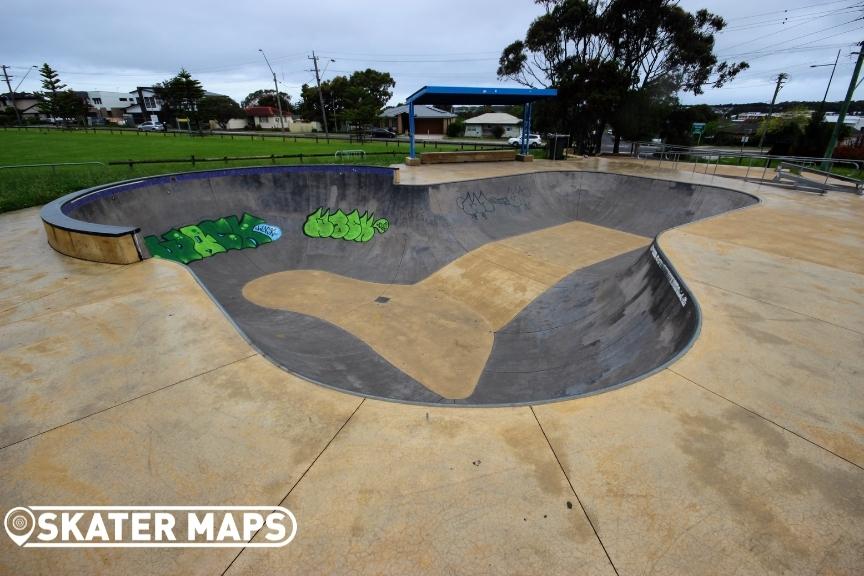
(24, 187)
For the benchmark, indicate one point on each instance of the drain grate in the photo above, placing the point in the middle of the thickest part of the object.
(382, 299)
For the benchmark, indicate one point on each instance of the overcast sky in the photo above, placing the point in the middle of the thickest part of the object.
(102, 45)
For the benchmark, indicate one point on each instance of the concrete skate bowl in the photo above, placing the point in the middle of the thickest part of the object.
(510, 290)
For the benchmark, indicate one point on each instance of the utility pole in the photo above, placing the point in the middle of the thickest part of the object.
(320, 94)
(278, 98)
(781, 78)
(11, 93)
(829, 152)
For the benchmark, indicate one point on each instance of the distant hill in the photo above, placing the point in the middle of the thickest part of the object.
(855, 107)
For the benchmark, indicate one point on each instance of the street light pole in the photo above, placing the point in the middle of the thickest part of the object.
(829, 152)
(825, 97)
(278, 98)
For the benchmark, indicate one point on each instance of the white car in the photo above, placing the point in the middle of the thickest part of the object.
(534, 141)
(151, 126)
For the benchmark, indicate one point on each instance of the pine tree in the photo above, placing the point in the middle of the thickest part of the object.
(52, 85)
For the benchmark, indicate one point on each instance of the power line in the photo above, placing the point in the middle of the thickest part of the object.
(775, 21)
(756, 54)
(809, 6)
(783, 31)
(808, 34)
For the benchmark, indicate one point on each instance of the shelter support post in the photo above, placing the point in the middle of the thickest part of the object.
(526, 127)
(411, 153)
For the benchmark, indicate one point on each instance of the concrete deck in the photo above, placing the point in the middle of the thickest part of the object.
(127, 385)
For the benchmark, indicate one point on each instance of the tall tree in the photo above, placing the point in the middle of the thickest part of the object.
(180, 94)
(355, 99)
(71, 105)
(267, 97)
(219, 108)
(600, 52)
(52, 86)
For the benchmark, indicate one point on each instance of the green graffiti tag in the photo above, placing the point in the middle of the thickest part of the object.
(352, 226)
(209, 237)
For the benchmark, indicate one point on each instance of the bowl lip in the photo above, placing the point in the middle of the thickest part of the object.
(56, 212)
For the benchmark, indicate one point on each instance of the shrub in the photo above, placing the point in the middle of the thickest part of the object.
(456, 128)
(497, 131)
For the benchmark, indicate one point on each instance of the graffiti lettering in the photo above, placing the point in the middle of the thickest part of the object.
(209, 237)
(673, 281)
(479, 205)
(352, 226)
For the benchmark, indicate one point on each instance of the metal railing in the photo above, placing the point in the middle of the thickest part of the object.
(317, 137)
(52, 165)
(753, 160)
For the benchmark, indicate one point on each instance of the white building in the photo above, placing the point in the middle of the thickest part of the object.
(99, 99)
(108, 106)
(267, 117)
(749, 116)
(484, 125)
(152, 104)
(854, 122)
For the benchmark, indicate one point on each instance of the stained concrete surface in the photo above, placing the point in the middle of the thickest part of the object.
(465, 492)
(677, 474)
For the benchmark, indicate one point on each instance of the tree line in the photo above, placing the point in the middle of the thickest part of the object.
(348, 100)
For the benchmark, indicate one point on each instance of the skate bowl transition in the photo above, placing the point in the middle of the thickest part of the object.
(499, 291)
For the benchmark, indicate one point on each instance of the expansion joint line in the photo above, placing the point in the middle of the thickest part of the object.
(766, 419)
(573, 490)
(300, 479)
(124, 402)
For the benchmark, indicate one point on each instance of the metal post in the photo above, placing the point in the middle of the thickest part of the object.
(526, 120)
(411, 130)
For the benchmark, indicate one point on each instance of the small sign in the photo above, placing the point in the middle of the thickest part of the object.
(745, 139)
(698, 128)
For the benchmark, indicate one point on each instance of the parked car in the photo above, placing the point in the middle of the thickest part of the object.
(381, 133)
(150, 126)
(534, 141)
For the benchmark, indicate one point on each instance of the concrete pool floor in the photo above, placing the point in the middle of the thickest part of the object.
(128, 386)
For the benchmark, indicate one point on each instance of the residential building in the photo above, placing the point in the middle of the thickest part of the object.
(484, 125)
(151, 102)
(427, 119)
(26, 103)
(267, 117)
(107, 106)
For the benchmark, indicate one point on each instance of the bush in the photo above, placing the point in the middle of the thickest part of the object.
(497, 131)
(456, 128)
